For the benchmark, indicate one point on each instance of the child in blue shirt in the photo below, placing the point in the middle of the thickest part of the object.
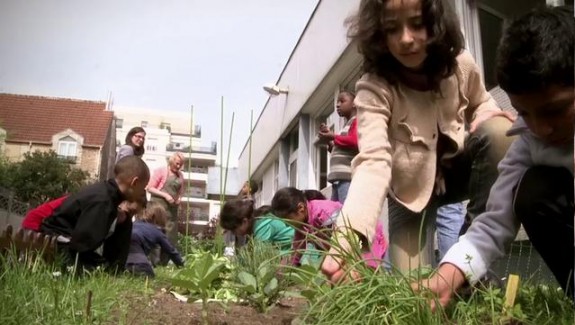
(146, 235)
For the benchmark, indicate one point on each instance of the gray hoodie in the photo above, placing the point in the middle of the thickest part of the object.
(495, 229)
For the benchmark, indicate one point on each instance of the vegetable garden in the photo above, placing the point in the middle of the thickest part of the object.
(254, 287)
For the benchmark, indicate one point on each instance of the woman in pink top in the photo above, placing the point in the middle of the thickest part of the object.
(166, 187)
(316, 218)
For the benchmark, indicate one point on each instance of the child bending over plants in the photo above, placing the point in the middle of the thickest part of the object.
(315, 219)
(535, 183)
(146, 235)
(240, 218)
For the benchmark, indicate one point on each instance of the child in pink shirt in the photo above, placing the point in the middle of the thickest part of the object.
(315, 219)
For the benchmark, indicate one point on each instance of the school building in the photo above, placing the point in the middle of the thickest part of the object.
(284, 150)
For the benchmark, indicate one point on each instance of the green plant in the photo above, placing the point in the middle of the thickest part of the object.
(199, 277)
(35, 293)
(260, 289)
(257, 269)
(386, 297)
(52, 177)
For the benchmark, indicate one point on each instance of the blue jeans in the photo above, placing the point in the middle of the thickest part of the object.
(449, 221)
(339, 191)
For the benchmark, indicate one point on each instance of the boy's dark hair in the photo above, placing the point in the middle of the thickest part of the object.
(445, 40)
(348, 92)
(311, 195)
(536, 51)
(138, 151)
(286, 201)
(234, 211)
(263, 210)
(132, 166)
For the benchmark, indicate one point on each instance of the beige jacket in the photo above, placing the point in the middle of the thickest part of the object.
(397, 135)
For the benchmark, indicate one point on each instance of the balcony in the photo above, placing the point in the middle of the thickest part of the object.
(195, 192)
(212, 150)
(193, 176)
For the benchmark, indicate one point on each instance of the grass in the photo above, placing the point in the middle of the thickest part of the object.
(34, 293)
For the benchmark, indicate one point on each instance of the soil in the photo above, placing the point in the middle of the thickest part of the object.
(164, 308)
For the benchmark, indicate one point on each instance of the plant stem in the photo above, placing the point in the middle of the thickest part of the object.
(250, 149)
(205, 310)
(229, 149)
(221, 153)
(89, 307)
(189, 171)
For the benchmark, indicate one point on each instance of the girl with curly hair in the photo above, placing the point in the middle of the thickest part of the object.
(429, 133)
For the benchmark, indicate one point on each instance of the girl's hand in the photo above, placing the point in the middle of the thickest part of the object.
(169, 198)
(178, 201)
(442, 284)
(334, 266)
(480, 118)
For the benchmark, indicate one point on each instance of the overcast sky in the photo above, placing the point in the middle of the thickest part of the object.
(159, 54)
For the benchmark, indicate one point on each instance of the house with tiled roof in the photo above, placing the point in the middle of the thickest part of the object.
(81, 131)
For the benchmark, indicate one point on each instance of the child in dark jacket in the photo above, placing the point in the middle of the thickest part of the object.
(146, 235)
(34, 217)
(91, 218)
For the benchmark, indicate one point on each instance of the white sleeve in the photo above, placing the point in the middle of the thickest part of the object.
(491, 232)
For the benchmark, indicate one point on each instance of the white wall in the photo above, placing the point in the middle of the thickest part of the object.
(320, 46)
(268, 185)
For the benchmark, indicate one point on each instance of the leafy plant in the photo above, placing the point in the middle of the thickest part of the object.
(41, 176)
(260, 289)
(199, 277)
(258, 267)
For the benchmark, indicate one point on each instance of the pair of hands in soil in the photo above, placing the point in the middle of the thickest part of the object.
(441, 285)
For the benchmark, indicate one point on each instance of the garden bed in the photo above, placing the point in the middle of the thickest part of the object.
(163, 308)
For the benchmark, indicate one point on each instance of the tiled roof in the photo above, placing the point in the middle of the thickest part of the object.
(37, 119)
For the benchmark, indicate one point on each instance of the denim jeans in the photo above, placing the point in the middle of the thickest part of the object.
(339, 191)
(471, 176)
(449, 221)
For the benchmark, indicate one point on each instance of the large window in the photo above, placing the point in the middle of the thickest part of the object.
(68, 148)
(293, 147)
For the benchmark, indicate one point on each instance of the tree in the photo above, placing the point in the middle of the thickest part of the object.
(41, 177)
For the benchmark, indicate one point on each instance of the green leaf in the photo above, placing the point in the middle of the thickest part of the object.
(248, 280)
(309, 294)
(271, 288)
(265, 274)
(186, 284)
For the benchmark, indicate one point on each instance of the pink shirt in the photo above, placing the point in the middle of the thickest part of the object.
(159, 178)
(322, 215)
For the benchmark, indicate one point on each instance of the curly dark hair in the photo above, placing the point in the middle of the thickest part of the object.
(445, 40)
(536, 51)
(138, 151)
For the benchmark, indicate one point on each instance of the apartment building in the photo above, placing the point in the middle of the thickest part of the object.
(167, 133)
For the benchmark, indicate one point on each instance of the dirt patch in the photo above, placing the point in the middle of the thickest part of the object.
(163, 308)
